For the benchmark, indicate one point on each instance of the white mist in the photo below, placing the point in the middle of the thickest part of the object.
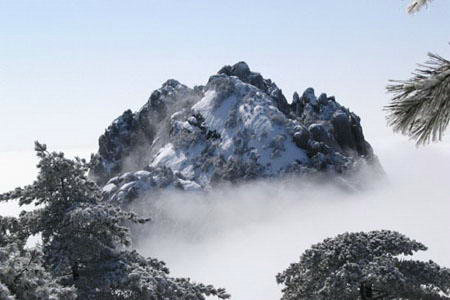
(241, 237)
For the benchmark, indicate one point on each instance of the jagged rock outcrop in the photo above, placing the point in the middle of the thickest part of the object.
(239, 126)
(125, 143)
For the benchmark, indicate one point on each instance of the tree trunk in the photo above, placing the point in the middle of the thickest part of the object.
(365, 291)
(75, 273)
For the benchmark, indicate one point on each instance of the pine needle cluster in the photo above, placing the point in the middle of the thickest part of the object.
(416, 5)
(420, 107)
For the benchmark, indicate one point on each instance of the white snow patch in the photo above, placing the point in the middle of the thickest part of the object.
(167, 156)
(109, 188)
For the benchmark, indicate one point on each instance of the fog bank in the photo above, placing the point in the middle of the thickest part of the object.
(240, 237)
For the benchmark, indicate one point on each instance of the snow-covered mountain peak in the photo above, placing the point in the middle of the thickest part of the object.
(239, 126)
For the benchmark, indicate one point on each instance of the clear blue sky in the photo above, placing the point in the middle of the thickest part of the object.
(68, 68)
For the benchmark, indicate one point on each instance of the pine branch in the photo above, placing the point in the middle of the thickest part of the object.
(416, 5)
(420, 107)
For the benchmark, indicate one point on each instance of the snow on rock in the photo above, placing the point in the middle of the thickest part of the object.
(239, 126)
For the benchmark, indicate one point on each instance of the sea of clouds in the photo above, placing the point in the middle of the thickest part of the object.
(240, 237)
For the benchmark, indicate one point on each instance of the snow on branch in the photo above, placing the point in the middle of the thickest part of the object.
(420, 107)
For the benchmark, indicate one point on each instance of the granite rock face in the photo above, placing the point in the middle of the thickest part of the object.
(237, 127)
(125, 143)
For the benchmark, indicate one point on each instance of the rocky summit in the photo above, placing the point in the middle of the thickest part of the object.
(237, 127)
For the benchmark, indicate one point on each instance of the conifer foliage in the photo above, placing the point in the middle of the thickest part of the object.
(364, 265)
(420, 105)
(85, 252)
(22, 275)
(416, 5)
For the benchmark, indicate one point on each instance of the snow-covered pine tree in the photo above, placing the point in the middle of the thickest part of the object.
(364, 266)
(85, 243)
(420, 107)
(22, 275)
